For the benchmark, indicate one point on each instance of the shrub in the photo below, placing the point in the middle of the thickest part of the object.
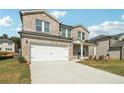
(101, 57)
(21, 59)
(95, 58)
(90, 57)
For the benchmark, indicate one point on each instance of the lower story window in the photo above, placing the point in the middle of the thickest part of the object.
(8, 49)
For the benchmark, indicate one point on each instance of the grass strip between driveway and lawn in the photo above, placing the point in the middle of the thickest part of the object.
(13, 72)
(113, 66)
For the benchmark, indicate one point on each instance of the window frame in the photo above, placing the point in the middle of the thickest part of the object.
(63, 31)
(66, 31)
(69, 32)
(47, 27)
(10, 49)
(79, 34)
(43, 26)
(83, 35)
(39, 25)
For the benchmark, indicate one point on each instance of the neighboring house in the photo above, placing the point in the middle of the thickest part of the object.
(6, 45)
(45, 38)
(112, 45)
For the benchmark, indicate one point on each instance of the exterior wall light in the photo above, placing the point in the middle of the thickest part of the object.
(26, 41)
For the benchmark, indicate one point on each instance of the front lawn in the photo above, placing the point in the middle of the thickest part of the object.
(13, 72)
(113, 66)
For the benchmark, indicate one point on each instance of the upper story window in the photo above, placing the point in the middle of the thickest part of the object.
(63, 32)
(46, 27)
(81, 35)
(38, 25)
(9, 43)
(42, 26)
(69, 33)
(66, 32)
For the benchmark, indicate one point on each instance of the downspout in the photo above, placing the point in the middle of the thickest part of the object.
(109, 42)
(21, 44)
(120, 53)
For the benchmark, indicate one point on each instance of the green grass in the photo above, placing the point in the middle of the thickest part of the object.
(113, 66)
(13, 72)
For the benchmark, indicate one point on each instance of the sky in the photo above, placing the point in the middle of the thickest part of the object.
(97, 21)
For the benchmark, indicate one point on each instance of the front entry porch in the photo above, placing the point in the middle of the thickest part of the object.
(80, 51)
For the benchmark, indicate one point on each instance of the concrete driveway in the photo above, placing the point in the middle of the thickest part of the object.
(70, 73)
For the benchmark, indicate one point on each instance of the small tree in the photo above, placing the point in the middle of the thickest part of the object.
(17, 42)
(5, 36)
(21, 59)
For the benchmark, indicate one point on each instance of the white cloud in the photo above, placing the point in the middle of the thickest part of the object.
(58, 14)
(122, 16)
(18, 29)
(6, 21)
(107, 27)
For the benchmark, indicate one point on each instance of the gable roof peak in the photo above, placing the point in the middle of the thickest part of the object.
(30, 11)
(81, 27)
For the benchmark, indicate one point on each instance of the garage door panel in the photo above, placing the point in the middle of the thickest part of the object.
(48, 53)
(63, 54)
(37, 52)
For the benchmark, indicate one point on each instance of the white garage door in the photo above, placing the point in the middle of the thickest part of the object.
(48, 53)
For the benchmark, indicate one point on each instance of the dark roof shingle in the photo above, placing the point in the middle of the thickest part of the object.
(119, 44)
(98, 37)
(4, 40)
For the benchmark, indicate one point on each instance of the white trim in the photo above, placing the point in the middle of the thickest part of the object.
(81, 51)
(66, 32)
(49, 27)
(81, 35)
(95, 51)
(77, 42)
(43, 26)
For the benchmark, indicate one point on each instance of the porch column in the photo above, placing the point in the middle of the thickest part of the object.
(81, 51)
(94, 50)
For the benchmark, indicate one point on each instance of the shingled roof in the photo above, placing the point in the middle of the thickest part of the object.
(101, 37)
(4, 40)
(98, 37)
(119, 44)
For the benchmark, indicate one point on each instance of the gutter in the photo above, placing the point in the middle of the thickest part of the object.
(40, 35)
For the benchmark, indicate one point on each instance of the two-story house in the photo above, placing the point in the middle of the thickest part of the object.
(108, 45)
(45, 38)
(6, 45)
